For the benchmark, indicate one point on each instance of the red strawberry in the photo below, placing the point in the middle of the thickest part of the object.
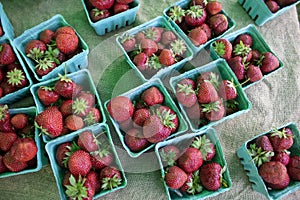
(94, 116)
(152, 96)
(186, 95)
(88, 97)
(178, 47)
(169, 154)
(154, 33)
(155, 130)
(218, 23)
(243, 50)
(253, 73)
(177, 14)
(269, 62)
(101, 158)
(214, 111)
(211, 176)
(93, 178)
(65, 30)
(120, 7)
(50, 121)
(47, 95)
(135, 140)
(46, 36)
(3, 168)
(87, 141)
(213, 7)
(124, 1)
(128, 43)
(12, 164)
(283, 157)
(264, 143)
(245, 38)
(61, 154)
(44, 66)
(237, 66)
(206, 147)
(190, 160)
(197, 36)
(80, 163)
(35, 49)
(166, 57)
(207, 30)
(65, 87)
(195, 16)
(126, 125)
(67, 43)
(149, 47)
(19, 121)
(16, 78)
(207, 93)
(140, 60)
(24, 149)
(227, 90)
(97, 15)
(120, 108)
(7, 55)
(1, 31)
(6, 126)
(294, 168)
(211, 77)
(194, 112)
(223, 48)
(110, 178)
(256, 55)
(140, 36)
(167, 37)
(168, 116)
(73, 122)
(175, 177)
(102, 4)
(281, 139)
(66, 108)
(140, 116)
(7, 140)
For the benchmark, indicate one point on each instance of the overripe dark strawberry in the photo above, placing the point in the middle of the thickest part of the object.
(67, 43)
(74, 122)
(35, 49)
(152, 96)
(177, 14)
(6, 126)
(19, 121)
(66, 108)
(207, 93)
(46, 36)
(214, 111)
(166, 57)
(227, 90)
(135, 140)
(80, 163)
(206, 147)
(65, 87)
(223, 48)
(195, 16)
(140, 60)
(169, 155)
(94, 116)
(3, 168)
(7, 140)
(12, 164)
(102, 4)
(61, 154)
(191, 160)
(245, 38)
(281, 139)
(140, 116)
(128, 43)
(197, 36)
(169, 117)
(47, 95)
(7, 55)
(253, 73)
(23, 149)
(237, 66)
(213, 7)
(175, 177)
(283, 157)
(294, 168)
(50, 121)
(218, 23)
(211, 176)
(274, 174)
(149, 47)
(97, 15)
(264, 143)
(256, 55)
(269, 62)
(120, 108)
(120, 7)
(101, 158)
(186, 95)
(110, 178)
(87, 141)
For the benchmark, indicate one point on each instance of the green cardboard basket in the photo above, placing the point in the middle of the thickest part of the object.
(252, 171)
(6, 25)
(135, 94)
(184, 141)
(219, 66)
(59, 171)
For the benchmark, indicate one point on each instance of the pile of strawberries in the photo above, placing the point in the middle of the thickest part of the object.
(207, 98)
(275, 5)
(88, 162)
(68, 108)
(271, 155)
(147, 122)
(99, 9)
(1, 31)
(192, 169)
(153, 49)
(12, 75)
(201, 20)
(52, 48)
(248, 64)
(17, 145)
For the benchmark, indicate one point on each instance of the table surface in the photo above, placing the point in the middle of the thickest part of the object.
(275, 100)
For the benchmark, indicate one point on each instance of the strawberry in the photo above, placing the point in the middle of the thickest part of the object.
(35, 49)
(207, 93)
(253, 73)
(269, 62)
(169, 117)
(152, 96)
(24, 149)
(195, 16)
(16, 78)
(87, 141)
(80, 107)
(97, 15)
(65, 30)
(283, 3)
(175, 177)
(120, 7)
(194, 112)
(211, 176)
(102, 4)
(7, 140)
(153, 65)
(237, 66)
(166, 57)
(191, 160)
(67, 43)
(176, 14)
(218, 23)
(19, 121)
(207, 30)
(213, 7)
(88, 97)
(50, 121)
(245, 38)
(139, 36)
(256, 55)
(192, 185)
(124, 1)
(6, 126)
(47, 95)
(140, 116)
(128, 43)
(79, 163)
(78, 188)
(243, 50)
(264, 143)
(197, 36)
(110, 178)
(274, 174)
(149, 46)
(94, 116)
(65, 87)
(211, 77)
(167, 37)
(44, 66)
(1, 31)
(93, 178)
(120, 108)
(178, 47)
(66, 108)
(73, 122)
(154, 33)
(12, 164)
(61, 154)
(169, 154)
(140, 60)
(294, 168)
(7, 55)
(260, 156)
(223, 48)
(101, 158)
(281, 139)
(206, 147)
(283, 157)
(135, 140)
(3, 168)
(227, 90)
(46, 36)
(186, 95)
(126, 125)
(214, 111)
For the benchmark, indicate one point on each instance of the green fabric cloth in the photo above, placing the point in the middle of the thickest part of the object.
(274, 101)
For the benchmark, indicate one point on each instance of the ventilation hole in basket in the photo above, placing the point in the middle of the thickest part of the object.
(249, 9)
(117, 26)
(106, 30)
(253, 183)
(127, 23)
(242, 3)
(255, 18)
(79, 66)
(246, 170)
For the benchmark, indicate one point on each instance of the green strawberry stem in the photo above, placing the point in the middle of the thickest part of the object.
(168, 157)
(203, 144)
(186, 89)
(15, 77)
(177, 13)
(76, 190)
(166, 118)
(258, 155)
(195, 184)
(110, 183)
(280, 134)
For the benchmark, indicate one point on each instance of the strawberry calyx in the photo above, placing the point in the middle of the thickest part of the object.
(47, 88)
(219, 47)
(280, 134)
(72, 148)
(195, 11)
(259, 61)
(97, 12)
(176, 13)
(52, 54)
(166, 118)
(76, 189)
(232, 103)
(80, 106)
(43, 130)
(178, 47)
(222, 180)
(242, 50)
(3, 111)
(153, 62)
(203, 144)
(151, 33)
(194, 184)
(15, 77)
(35, 54)
(168, 157)
(258, 155)
(186, 89)
(110, 183)
(44, 64)
(64, 78)
(126, 37)
(90, 118)
(209, 107)
(103, 152)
